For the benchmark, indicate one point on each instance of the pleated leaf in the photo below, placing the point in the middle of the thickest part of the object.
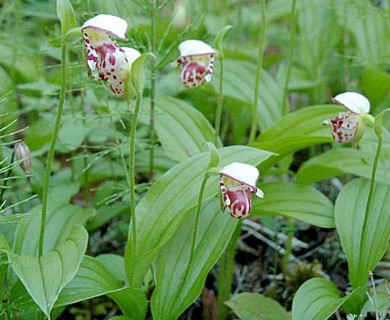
(297, 130)
(239, 79)
(364, 245)
(45, 277)
(93, 279)
(172, 295)
(255, 306)
(341, 161)
(317, 299)
(181, 129)
(295, 201)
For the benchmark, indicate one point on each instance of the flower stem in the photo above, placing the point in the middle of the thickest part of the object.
(225, 277)
(50, 156)
(152, 89)
(195, 229)
(133, 129)
(379, 132)
(285, 108)
(254, 125)
(218, 113)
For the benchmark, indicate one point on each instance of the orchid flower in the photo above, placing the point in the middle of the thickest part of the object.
(348, 126)
(106, 60)
(237, 182)
(196, 61)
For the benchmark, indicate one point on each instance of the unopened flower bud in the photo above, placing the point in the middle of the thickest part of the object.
(22, 153)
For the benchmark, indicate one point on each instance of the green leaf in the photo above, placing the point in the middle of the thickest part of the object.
(255, 306)
(295, 201)
(297, 130)
(45, 277)
(364, 244)
(219, 38)
(60, 221)
(318, 299)
(115, 264)
(137, 71)
(131, 301)
(4, 246)
(93, 279)
(171, 296)
(340, 161)
(375, 84)
(72, 135)
(182, 129)
(159, 214)
(66, 15)
(239, 79)
(372, 34)
(214, 157)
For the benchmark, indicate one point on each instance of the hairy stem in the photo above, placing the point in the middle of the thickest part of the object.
(225, 277)
(218, 113)
(195, 229)
(152, 89)
(131, 181)
(50, 156)
(263, 30)
(285, 108)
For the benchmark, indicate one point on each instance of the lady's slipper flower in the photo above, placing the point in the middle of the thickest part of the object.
(196, 61)
(237, 182)
(107, 60)
(348, 126)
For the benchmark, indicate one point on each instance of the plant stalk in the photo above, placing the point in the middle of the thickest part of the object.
(152, 90)
(218, 113)
(285, 108)
(131, 181)
(263, 30)
(226, 270)
(195, 229)
(50, 156)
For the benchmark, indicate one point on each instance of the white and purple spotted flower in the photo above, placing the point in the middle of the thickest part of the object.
(196, 61)
(237, 182)
(348, 126)
(107, 60)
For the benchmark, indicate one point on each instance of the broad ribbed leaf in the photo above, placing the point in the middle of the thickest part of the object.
(4, 246)
(93, 280)
(316, 299)
(364, 245)
(295, 201)
(181, 129)
(239, 79)
(45, 277)
(255, 306)
(372, 33)
(297, 130)
(60, 221)
(172, 296)
(159, 214)
(341, 161)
